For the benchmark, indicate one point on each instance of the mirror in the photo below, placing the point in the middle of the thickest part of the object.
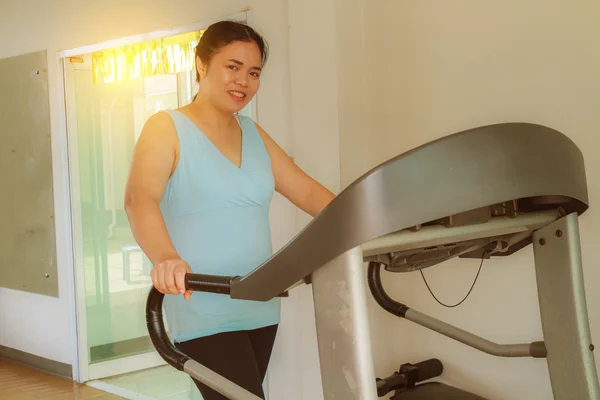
(27, 235)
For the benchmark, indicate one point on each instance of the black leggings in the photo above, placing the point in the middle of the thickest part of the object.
(240, 356)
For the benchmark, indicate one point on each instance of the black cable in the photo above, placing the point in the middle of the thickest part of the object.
(472, 286)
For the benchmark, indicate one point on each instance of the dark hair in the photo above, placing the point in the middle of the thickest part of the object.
(222, 33)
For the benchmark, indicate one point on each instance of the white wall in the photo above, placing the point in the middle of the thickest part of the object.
(313, 83)
(41, 325)
(435, 68)
(354, 80)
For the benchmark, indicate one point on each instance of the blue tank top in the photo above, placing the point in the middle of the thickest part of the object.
(217, 216)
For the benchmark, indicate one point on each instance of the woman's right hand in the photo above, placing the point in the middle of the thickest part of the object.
(168, 277)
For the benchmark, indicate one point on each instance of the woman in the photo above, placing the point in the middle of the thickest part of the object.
(198, 197)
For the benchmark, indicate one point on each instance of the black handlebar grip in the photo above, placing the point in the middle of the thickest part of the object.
(429, 369)
(154, 316)
(209, 283)
(157, 332)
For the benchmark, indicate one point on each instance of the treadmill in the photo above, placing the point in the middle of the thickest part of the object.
(484, 192)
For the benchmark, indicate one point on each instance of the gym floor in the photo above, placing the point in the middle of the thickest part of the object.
(22, 383)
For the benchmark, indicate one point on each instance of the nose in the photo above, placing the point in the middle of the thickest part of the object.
(242, 80)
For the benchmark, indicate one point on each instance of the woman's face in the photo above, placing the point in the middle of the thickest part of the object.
(232, 77)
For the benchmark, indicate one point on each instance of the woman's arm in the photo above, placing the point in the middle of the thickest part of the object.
(151, 166)
(292, 182)
(153, 162)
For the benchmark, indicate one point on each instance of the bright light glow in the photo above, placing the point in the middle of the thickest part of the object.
(168, 55)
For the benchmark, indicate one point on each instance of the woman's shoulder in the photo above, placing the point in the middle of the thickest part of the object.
(161, 119)
(161, 127)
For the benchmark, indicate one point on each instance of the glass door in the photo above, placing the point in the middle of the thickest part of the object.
(105, 116)
(105, 121)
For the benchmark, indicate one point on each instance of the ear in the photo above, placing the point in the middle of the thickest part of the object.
(200, 67)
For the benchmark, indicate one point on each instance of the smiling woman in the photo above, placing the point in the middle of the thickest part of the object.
(197, 198)
(236, 47)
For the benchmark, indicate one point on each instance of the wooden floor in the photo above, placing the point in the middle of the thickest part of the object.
(21, 383)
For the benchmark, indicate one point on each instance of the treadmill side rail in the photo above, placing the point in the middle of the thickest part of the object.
(563, 309)
(343, 329)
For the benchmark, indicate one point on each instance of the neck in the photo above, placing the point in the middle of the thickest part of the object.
(209, 114)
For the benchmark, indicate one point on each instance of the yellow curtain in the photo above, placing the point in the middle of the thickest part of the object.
(161, 56)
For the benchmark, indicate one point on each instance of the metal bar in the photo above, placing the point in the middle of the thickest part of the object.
(563, 311)
(217, 382)
(343, 330)
(436, 235)
(535, 349)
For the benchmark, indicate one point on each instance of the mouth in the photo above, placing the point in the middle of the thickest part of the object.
(237, 95)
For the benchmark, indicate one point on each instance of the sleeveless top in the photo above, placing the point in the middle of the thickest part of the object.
(217, 216)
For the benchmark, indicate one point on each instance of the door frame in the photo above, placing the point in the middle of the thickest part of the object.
(82, 370)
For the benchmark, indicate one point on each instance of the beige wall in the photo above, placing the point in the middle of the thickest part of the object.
(435, 68)
(353, 83)
(314, 105)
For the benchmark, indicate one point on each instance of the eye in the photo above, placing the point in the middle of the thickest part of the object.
(233, 67)
(255, 74)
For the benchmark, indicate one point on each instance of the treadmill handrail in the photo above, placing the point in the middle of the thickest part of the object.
(154, 316)
(472, 169)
